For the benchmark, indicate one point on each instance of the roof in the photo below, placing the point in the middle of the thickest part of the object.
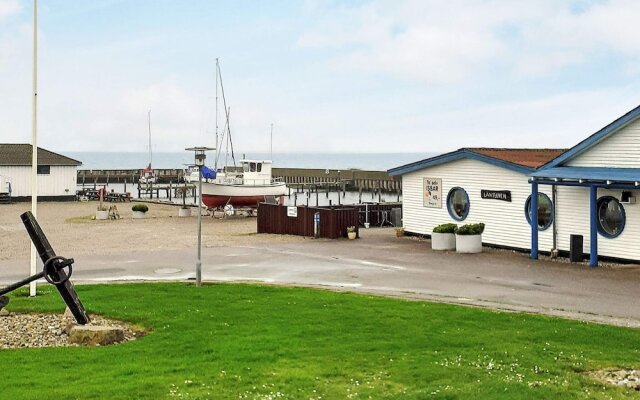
(526, 157)
(520, 160)
(596, 138)
(20, 154)
(590, 174)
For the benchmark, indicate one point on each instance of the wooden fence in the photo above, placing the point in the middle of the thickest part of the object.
(273, 218)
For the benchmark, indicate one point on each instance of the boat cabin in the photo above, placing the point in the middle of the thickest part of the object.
(256, 171)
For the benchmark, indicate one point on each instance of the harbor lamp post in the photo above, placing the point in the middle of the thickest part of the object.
(200, 157)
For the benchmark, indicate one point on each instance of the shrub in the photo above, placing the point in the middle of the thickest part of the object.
(351, 228)
(471, 229)
(445, 228)
(140, 207)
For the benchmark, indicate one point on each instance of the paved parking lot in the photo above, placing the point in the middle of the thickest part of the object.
(380, 263)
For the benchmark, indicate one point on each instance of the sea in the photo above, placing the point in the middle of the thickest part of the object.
(363, 161)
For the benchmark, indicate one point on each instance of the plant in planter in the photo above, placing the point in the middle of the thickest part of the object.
(351, 232)
(139, 210)
(184, 211)
(443, 237)
(102, 211)
(469, 238)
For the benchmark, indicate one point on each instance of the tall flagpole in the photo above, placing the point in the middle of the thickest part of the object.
(34, 141)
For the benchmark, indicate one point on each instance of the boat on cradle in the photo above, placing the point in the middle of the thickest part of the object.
(246, 186)
(236, 186)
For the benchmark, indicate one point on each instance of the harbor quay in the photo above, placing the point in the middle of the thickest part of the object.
(347, 179)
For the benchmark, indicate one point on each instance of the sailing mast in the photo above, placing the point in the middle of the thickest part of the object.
(217, 147)
(150, 153)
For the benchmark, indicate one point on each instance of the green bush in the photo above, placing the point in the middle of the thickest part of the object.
(140, 207)
(445, 228)
(471, 229)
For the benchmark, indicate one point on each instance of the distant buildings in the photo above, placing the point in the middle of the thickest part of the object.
(589, 190)
(57, 174)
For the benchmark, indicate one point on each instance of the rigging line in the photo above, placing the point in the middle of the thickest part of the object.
(224, 102)
(219, 149)
(233, 157)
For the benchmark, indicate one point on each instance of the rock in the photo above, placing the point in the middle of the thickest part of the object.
(68, 321)
(4, 313)
(92, 335)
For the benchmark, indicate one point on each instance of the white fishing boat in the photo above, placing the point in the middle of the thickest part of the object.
(247, 187)
(243, 185)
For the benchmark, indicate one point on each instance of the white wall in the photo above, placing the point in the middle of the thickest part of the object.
(572, 213)
(60, 182)
(621, 149)
(506, 224)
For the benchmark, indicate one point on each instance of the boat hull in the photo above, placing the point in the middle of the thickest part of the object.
(215, 195)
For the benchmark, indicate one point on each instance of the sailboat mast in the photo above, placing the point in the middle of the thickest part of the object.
(271, 142)
(150, 153)
(217, 67)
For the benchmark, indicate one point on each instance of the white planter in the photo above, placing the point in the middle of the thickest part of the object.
(102, 214)
(138, 215)
(184, 212)
(351, 235)
(443, 241)
(469, 243)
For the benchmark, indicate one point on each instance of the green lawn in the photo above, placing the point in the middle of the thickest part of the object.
(258, 342)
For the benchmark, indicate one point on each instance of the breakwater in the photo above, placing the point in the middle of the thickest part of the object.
(345, 180)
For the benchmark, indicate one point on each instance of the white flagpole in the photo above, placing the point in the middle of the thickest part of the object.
(34, 141)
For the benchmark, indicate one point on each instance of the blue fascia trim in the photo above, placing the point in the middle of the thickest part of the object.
(454, 156)
(594, 138)
(622, 186)
(593, 173)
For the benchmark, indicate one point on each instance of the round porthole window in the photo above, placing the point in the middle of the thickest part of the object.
(545, 211)
(611, 217)
(458, 203)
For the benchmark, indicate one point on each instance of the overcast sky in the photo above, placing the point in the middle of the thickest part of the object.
(348, 76)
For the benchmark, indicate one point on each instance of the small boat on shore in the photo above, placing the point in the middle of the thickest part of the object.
(246, 187)
(233, 186)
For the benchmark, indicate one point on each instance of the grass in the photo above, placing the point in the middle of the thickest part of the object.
(228, 341)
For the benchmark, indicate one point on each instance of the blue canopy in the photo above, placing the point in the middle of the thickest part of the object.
(208, 173)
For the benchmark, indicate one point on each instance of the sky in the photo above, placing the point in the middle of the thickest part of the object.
(332, 76)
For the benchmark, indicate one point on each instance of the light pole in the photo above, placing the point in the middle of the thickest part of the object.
(200, 157)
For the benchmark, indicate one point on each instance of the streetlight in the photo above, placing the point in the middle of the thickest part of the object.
(200, 157)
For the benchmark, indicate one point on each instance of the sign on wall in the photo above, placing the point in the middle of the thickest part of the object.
(504, 195)
(432, 191)
(292, 212)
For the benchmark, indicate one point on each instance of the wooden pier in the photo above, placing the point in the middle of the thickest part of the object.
(344, 180)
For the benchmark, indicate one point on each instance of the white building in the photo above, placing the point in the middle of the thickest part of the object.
(590, 190)
(57, 174)
(474, 185)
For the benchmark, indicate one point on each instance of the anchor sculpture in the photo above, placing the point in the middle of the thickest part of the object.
(53, 271)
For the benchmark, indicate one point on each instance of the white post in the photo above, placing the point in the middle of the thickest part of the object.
(34, 141)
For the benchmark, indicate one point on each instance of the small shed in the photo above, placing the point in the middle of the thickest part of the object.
(57, 174)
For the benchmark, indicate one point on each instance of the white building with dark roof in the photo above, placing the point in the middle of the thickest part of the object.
(585, 195)
(57, 174)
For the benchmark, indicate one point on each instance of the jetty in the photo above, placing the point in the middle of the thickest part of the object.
(304, 178)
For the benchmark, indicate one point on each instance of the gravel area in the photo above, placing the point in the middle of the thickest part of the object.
(622, 377)
(71, 231)
(48, 330)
